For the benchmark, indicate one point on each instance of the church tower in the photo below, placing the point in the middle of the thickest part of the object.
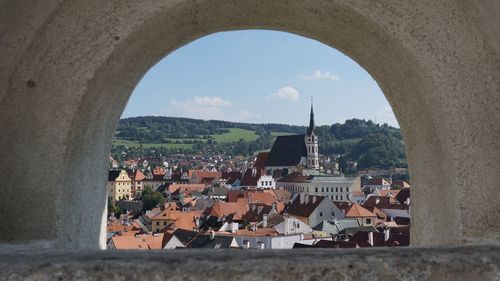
(311, 141)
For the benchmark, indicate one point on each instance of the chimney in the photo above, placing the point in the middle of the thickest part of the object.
(234, 227)
(212, 235)
(264, 221)
(307, 198)
(387, 234)
(246, 244)
(314, 199)
(377, 200)
(302, 198)
(260, 245)
(370, 238)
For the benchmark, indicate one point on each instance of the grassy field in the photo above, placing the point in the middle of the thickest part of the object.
(235, 134)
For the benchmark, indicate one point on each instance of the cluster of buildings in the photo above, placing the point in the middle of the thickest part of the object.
(279, 200)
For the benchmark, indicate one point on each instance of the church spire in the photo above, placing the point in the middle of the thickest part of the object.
(310, 130)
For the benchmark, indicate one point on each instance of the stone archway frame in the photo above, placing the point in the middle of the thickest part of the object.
(70, 69)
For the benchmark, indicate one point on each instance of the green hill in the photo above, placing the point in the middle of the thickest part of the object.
(370, 144)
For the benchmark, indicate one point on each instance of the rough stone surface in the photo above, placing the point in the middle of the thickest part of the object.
(68, 67)
(467, 263)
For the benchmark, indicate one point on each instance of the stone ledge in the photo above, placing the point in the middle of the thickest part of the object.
(457, 263)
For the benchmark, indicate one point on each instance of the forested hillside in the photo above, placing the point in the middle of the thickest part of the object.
(370, 144)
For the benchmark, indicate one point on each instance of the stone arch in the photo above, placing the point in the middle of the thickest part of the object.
(69, 71)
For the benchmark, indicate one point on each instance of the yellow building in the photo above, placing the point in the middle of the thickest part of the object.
(119, 185)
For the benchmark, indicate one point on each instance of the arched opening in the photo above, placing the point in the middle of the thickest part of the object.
(371, 55)
(165, 154)
(78, 68)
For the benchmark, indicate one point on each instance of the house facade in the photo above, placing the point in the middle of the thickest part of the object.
(313, 209)
(337, 188)
(119, 185)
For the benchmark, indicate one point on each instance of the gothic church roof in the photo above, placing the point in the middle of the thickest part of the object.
(287, 151)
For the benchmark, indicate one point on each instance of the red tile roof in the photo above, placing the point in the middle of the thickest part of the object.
(356, 211)
(377, 181)
(186, 189)
(261, 160)
(251, 177)
(223, 209)
(138, 242)
(304, 209)
(294, 177)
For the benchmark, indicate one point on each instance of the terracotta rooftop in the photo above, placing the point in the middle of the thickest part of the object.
(294, 177)
(261, 160)
(138, 242)
(306, 207)
(186, 189)
(223, 209)
(356, 211)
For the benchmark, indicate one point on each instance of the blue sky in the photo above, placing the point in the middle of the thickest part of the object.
(259, 77)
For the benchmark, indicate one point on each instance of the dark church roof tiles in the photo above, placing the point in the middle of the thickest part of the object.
(287, 151)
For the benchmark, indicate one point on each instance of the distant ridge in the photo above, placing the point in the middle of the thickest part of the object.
(363, 141)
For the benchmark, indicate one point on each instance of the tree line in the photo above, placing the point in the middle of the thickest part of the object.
(369, 144)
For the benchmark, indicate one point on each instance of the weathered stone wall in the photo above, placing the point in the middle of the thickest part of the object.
(68, 68)
(471, 263)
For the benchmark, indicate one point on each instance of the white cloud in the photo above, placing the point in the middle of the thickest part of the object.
(386, 115)
(288, 92)
(212, 101)
(200, 107)
(318, 74)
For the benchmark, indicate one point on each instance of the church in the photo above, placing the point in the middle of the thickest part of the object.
(295, 152)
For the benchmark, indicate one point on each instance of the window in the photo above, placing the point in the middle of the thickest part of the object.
(336, 197)
(322, 189)
(327, 189)
(347, 189)
(315, 189)
(341, 197)
(157, 223)
(320, 214)
(341, 189)
(336, 189)
(368, 221)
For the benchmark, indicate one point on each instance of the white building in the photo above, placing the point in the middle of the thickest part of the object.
(358, 197)
(268, 242)
(266, 182)
(292, 225)
(377, 183)
(337, 188)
